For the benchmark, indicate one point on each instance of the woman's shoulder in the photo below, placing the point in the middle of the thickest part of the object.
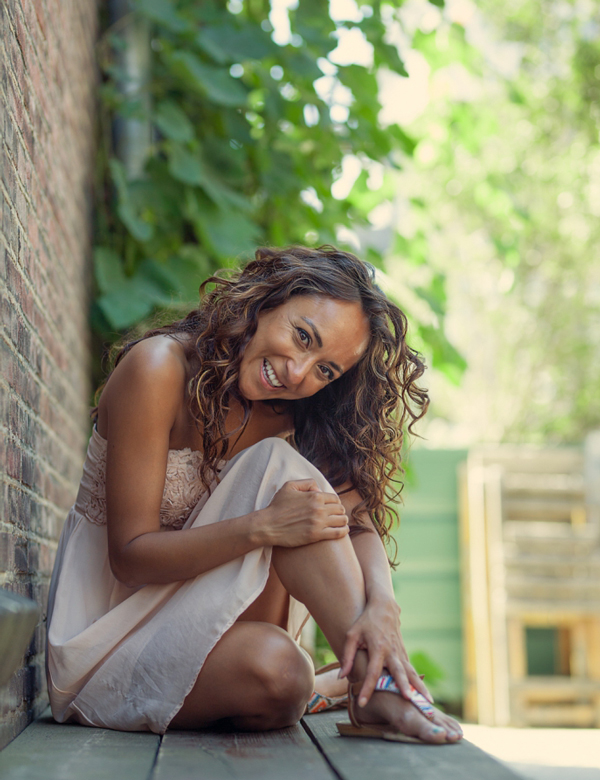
(161, 358)
(153, 373)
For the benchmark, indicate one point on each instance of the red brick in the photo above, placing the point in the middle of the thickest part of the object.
(48, 78)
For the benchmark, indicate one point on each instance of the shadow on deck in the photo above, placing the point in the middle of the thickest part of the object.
(49, 751)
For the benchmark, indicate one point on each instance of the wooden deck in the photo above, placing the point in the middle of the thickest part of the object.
(48, 751)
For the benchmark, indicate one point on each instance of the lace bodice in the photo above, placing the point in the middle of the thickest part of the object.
(182, 492)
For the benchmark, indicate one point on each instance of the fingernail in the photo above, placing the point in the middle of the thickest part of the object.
(362, 701)
(437, 730)
(340, 675)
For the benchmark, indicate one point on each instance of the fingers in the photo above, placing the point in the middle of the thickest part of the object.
(336, 519)
(310, 485)
(332, 498)
(348, 655)
(330, 533)
(303, 484)
(399, 673)
(374, 670)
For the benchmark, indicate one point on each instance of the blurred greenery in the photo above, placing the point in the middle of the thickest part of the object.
(425, 665)
(248, 136)
(503, 194)
(323, 652)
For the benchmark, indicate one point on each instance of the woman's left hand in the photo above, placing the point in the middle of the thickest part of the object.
(377, 631)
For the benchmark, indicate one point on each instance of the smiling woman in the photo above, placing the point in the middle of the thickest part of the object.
(288, 357)
(149, 629)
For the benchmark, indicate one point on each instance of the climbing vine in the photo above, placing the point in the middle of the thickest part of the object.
(247, 136)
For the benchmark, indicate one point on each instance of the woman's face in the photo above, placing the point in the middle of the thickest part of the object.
(302, 346)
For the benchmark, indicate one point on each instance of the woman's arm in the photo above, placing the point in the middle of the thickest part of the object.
(141, 405)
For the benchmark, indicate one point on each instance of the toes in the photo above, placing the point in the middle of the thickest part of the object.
(415, 724)
(453, 727)
(451, 731)
(431, 732)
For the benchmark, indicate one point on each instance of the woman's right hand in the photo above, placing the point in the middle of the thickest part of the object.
(301, 514)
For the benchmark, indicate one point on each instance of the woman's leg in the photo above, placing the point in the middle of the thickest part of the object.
(257, 677)
(327, 578)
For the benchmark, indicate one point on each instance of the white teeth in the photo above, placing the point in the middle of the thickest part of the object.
(270, 374)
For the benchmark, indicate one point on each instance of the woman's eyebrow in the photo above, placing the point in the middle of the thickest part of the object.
(319, 341)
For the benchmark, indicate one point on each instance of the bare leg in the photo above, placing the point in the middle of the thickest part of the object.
(257, 677)
(327, 578)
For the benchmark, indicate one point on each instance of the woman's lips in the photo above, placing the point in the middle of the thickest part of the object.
(269, 376)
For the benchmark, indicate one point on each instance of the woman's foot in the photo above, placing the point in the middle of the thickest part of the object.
(403, 716)
(328, 684)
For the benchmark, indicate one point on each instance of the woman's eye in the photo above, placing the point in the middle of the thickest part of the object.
(303, 336)
(327, 372)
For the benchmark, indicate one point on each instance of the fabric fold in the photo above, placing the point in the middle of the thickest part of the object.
(125, 658)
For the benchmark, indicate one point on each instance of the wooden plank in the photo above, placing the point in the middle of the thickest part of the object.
(469, 652)
(51, 751)
(479, 589)
(565, 715)
(357, 759)
(216, 754)
(497, 595)
(555, 689)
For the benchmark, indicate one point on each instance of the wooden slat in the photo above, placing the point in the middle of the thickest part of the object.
(49, 751)
(360, 759)
(266, 755)
(578, 715)
(556, 689)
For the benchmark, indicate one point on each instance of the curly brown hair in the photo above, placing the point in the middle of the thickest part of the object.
(352, 430)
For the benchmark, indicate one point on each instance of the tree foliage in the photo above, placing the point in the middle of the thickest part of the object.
(504, 193)
(248, 136)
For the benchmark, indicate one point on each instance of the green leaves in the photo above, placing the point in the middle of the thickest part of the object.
(163, 13)
(227, 43)
(242, 130)
(185, 166)
(173, 122)
(124, 300)
(126, 207)
(216, 83)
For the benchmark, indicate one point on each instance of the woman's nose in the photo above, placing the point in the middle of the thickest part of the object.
(297, 370)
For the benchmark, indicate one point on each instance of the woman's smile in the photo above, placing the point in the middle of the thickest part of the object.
(301, 346)
(270, 376)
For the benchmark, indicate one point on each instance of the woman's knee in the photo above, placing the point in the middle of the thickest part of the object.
(285, 676)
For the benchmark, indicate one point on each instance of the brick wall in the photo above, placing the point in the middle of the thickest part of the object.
(47, 88)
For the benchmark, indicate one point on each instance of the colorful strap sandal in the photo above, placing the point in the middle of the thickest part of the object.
(383, 731)
(320, 703)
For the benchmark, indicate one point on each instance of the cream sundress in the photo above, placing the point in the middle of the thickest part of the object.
(126, 658)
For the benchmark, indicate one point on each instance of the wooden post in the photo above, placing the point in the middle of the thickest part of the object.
(497, 595)
(480, 593)
(591, 471)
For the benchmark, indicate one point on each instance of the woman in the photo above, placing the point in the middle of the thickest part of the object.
(200, 537)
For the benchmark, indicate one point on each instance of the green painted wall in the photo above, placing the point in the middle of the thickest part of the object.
(427, 580)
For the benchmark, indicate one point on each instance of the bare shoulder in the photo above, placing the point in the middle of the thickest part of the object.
(150, 379)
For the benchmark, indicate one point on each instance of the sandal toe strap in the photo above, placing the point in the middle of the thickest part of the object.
(387, 683)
